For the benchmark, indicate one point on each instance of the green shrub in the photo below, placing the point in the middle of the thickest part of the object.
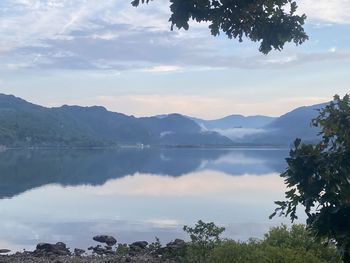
(279, 245)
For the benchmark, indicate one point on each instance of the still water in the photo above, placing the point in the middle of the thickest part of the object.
(135, 194)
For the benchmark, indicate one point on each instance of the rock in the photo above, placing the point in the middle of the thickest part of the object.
(59, 249)
(60, 246)
(140, 244)
(172, 247)
(176, 244)
(78, 252)
(44, 246)
(99, 250)
(4, 251)
(109, 240)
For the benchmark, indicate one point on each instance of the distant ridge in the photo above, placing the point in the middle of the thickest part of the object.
(236, 121)
(25, 124)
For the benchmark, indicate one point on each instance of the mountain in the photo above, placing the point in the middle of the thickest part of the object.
(178, 129)
(27, 124)
(236, 127)
(263, 130)
(235, 121)
(285, 129)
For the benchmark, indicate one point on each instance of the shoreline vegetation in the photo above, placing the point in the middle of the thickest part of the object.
(281, 244)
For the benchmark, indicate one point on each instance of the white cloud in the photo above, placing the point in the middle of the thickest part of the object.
(239, 133)
(329, 11)
(29, 22)
(149, 105)
(112, 35)
(207, 107)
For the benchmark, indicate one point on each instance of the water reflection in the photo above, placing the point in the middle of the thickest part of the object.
(135, 194)
(24, 170)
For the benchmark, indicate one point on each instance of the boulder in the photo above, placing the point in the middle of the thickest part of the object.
(176, 244)
(172, 247)
(59, 249)
(109, 240)
(99, 250)
(4, 251)
(78, 252)
(140, 244)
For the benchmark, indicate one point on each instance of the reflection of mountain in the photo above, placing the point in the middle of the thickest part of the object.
(23, 170)
(250, 161)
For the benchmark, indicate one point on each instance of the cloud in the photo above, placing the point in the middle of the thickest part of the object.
(149, 105)
(119, 47)
(113, 35)
(207, 107)
(327, 11)
(239, 133)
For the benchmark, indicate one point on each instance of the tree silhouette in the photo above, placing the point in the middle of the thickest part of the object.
(270, 22)
(318, 177)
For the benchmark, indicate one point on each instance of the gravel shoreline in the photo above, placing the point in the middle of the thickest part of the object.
(20, 258)
(107, 251)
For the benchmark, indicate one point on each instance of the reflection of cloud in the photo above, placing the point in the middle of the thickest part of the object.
(162, 69)
(203, 183)
(164, 222)
(240, 159)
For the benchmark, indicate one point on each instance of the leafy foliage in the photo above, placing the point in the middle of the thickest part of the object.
(318, 177)
(204, 237)
(294, 245)
(204, 233)
(270, 22)
(155, 246)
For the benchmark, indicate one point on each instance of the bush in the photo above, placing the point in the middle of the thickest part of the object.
(279, 245)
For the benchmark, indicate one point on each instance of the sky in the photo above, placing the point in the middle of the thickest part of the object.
(88, 52)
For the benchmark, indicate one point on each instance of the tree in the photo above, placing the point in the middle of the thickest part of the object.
(270, 22)
(204, 237)
(318, 177)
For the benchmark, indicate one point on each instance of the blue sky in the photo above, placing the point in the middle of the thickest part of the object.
(88, 52)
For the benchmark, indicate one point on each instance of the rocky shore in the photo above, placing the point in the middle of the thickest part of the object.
(107, 251)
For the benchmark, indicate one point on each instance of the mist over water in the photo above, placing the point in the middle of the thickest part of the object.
(135, 194)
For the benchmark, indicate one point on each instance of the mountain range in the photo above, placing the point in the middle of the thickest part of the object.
(23, 124)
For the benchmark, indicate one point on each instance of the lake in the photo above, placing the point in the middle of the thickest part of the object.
(135, 194)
